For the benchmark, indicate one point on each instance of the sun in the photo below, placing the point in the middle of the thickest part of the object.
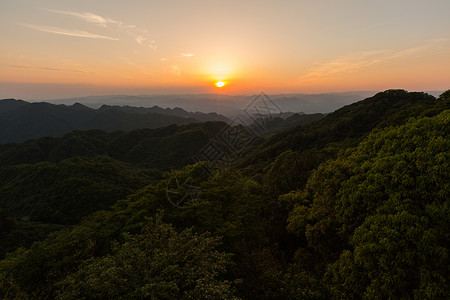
(220, 84)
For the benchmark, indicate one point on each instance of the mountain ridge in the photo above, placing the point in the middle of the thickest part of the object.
(293, 213)
(21, 120)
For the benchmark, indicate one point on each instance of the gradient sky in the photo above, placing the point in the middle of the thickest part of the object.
(55, 48)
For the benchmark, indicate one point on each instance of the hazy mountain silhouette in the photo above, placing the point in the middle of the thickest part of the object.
(228, 105)
(21, 120)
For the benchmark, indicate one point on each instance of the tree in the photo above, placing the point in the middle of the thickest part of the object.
(159, 263)
(387, 202)
(445, 95)
(10, 290)
(396, 210)
(6, 224)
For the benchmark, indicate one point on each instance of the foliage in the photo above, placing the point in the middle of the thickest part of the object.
(21, 121)
(23, 234)
(355, 205)
(160, 148)
(346, 126)
(382, 210)
(10, 290)
(64, 192)
(274, 124)
(159, 263)
(445, 95)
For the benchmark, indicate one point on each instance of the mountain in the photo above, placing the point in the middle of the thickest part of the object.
(21, 121)
(284, 121)
(74, 187)
(346, 125)
(161, 148)
(228, 105)
(353, 205)
(177, 112)
(7, 105)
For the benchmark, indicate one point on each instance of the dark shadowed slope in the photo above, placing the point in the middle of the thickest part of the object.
(21, 121)
(347, 124)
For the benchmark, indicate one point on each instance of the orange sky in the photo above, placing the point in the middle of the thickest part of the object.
(105, 47)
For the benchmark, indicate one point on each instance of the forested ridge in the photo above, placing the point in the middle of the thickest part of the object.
(21, 121)
(353, 205)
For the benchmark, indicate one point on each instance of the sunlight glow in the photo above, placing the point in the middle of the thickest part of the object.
(220, 84)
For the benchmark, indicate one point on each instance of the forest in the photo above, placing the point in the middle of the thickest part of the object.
(354, 204)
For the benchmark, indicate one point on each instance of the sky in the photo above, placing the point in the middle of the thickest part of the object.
(62, 48)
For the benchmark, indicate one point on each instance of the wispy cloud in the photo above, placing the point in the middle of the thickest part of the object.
(86, 16)
(140, 35)
(140, 39)
(61, 31)
(43, 68)
(344, 64)
(152, 45)
(360, 60)
(427, 47)
(177, 58)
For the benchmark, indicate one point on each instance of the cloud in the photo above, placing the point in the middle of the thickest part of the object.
(61, 31)
(360, 60)
(429, 46)
(184, 54)
(152, 45)
(140, 35)
(140, 39)
(43, 68)
(175, 70)
(86, 16)
(344, 64)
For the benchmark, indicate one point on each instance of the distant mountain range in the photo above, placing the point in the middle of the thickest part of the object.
(21, 120)
(228, 105)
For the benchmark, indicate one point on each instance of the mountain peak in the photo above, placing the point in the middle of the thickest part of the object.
(79, 106)
(7, 105)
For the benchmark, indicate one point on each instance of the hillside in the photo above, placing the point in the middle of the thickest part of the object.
(21, 121)
(286, 121)
(63, 192)
(346, 126)
(353, 205)
(162, 148)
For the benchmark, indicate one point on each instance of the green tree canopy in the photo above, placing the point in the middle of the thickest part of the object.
(159, 263)
(386, 205)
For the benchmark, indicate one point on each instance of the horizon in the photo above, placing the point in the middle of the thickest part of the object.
(227, 105)
(434, 93)
(73, 49)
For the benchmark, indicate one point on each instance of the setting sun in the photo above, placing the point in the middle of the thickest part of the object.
(220, 84)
